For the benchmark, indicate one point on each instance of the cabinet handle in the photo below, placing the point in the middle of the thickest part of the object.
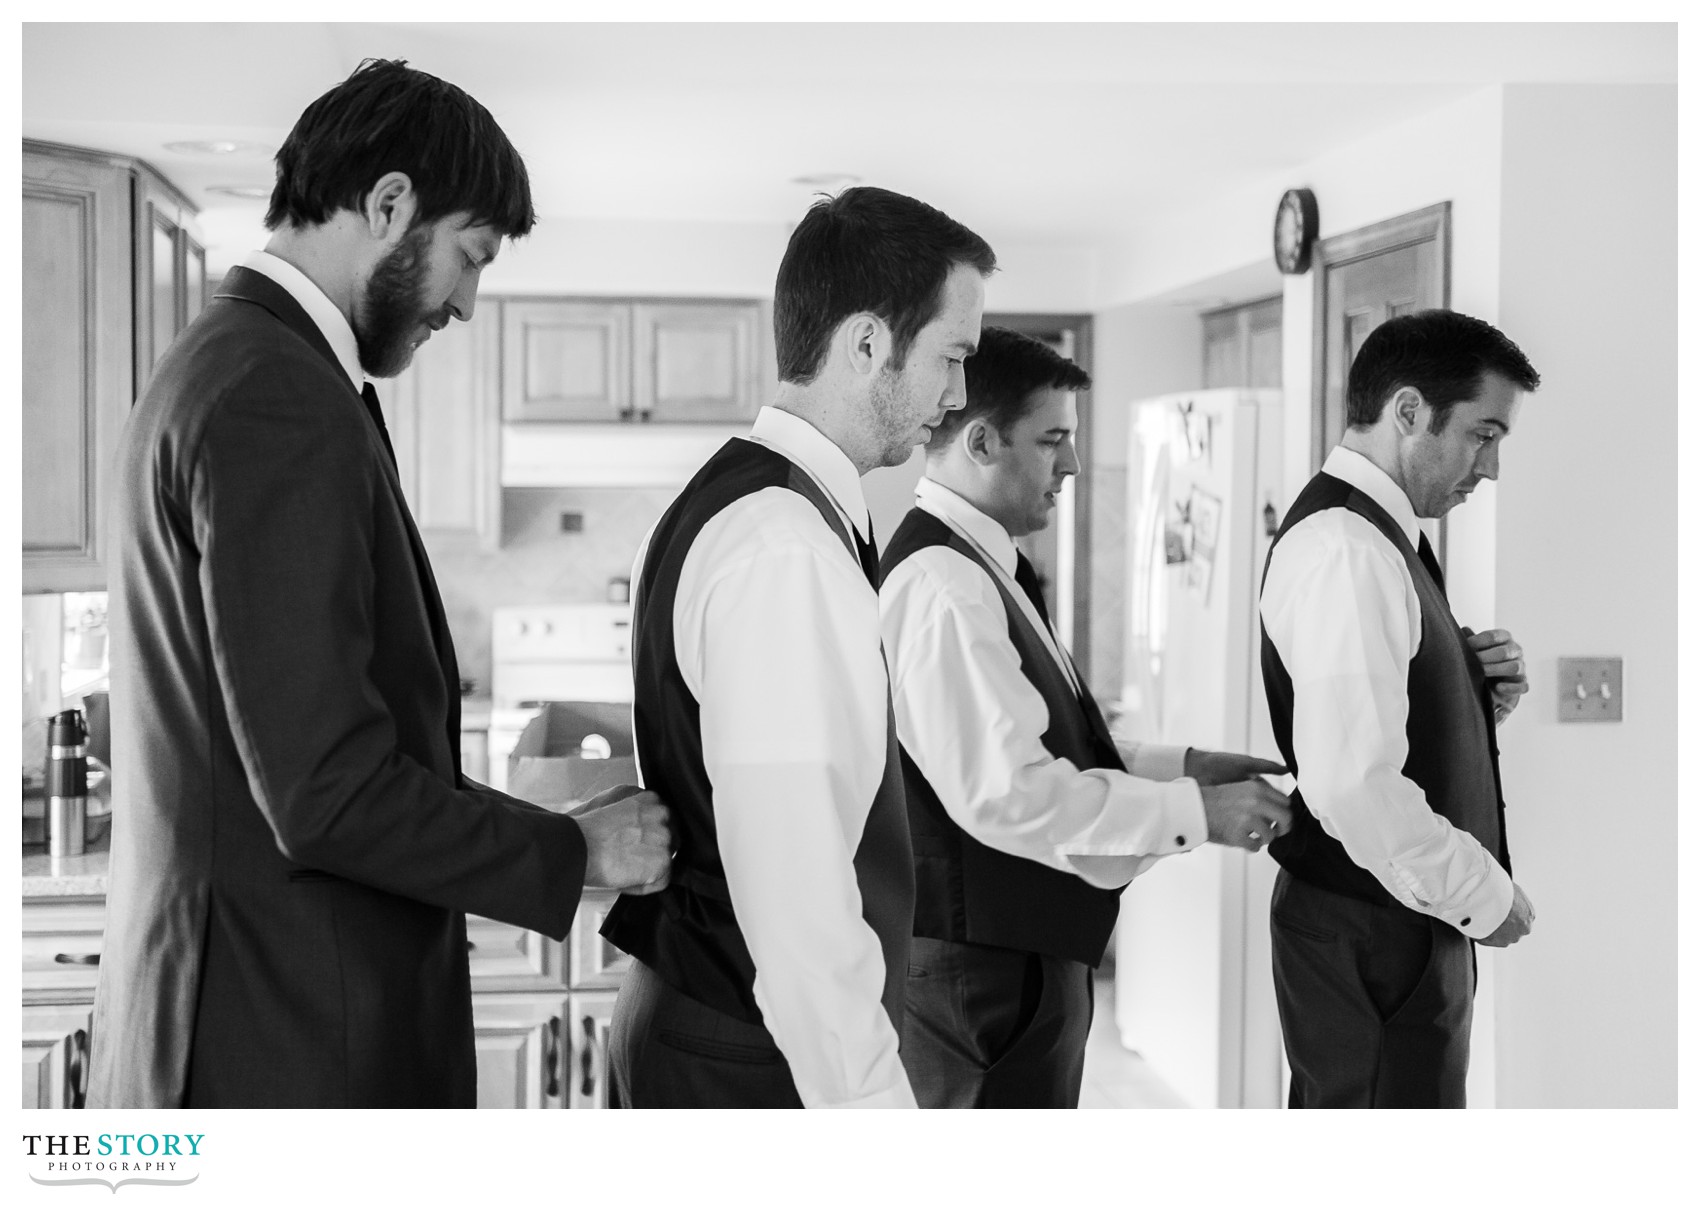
(587, 1059)
(77, 959)
(77, 1071)
(552, 1058)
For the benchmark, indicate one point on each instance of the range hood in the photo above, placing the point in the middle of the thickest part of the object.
(609, 455)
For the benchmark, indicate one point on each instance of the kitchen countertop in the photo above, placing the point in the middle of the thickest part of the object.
(65, 877)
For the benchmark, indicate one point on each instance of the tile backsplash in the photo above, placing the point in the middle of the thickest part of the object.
(537, 562)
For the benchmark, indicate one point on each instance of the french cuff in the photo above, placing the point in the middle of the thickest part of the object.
(1487, 909)
(898, 1096)
(1155, 762)
(1183, 810)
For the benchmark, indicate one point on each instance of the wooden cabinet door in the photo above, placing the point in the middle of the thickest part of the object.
(519, 1040)
(443, 421)
(77, 367)
(56, 1055)
(593, 961)
(695, 361)
(566, 360)
(587, 1062)
(170, 270)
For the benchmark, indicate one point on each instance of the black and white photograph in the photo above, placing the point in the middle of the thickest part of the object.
(616, 563)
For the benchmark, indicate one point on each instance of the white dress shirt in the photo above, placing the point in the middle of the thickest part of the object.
(320, 309)
(776, 631)
(1341, 608)
(972, 721)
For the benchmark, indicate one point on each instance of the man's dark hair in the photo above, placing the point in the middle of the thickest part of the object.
(867, 250)
(389, 117)
(1001, 377)
(1443, 354)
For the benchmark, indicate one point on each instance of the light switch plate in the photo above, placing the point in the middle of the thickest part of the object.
(1590, 689)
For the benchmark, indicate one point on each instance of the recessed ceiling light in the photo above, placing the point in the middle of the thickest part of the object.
(218, 147)
(260, 193)
(827, 180)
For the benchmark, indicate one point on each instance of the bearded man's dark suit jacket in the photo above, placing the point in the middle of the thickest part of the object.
(294, 847)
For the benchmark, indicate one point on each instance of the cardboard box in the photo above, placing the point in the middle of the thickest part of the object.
(548, 765)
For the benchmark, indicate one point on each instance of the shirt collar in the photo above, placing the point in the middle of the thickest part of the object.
(815, 452)
(320, 309)
(937, 499)
(1375, 483)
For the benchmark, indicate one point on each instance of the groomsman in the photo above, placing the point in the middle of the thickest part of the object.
(1387, 711)
(294, 844)
(771, 971)
(1025, 817)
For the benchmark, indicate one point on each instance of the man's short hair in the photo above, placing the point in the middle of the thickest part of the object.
(1443, 354)
(389, 117)
(1001, 377)
(867, 250)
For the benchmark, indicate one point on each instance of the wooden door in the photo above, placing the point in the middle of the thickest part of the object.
(587, 1061)
(1364, 278)
(695, 361)
(169, 280)
(444, 419)
(77, 368)
(519, 1043)
(566, 360)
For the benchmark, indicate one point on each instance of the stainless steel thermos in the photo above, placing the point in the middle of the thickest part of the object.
(67, 783)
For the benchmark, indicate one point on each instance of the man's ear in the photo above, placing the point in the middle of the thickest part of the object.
(389, 206)
(865, 341)
(1407, 405)
(981, 441)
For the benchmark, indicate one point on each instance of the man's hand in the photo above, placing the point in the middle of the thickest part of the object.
(628, 845)
(1502, 661)
(1518, 921)
(1245, 814)
(1209, 768)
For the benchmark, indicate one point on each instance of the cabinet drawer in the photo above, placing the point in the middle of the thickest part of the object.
(503, 957)
(587, 1037)
(592, 961)
(62, 943)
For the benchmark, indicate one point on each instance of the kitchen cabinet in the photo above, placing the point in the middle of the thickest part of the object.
(564, 360)
(1242, 346)
(445, 424)
(541, 1011)
(668, 362)
(61, 956)
(112, 268)
(695, 361)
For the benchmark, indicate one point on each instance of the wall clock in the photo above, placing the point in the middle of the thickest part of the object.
(1295, 230)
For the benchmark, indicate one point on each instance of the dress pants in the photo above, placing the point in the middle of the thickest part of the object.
(668, 1051)
(1375, 1001)
(991, 1028)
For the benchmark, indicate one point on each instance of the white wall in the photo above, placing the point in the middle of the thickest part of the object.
(1587, 566)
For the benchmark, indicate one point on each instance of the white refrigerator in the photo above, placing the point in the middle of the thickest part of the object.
(1194, 992)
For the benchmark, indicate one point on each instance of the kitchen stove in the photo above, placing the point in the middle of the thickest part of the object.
(553, 653)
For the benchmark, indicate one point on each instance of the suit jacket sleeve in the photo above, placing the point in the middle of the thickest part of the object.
(285, 499)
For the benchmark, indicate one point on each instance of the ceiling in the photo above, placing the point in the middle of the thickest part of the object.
(1046, 132)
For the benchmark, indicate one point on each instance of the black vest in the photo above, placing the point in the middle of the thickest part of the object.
(688, 933)
(1454, 754)
(969, 892)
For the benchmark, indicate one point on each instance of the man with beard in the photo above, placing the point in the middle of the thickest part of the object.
(771, 972)
(294, 845)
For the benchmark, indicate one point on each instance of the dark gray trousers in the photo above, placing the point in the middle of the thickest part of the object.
(989, 1028)
(668, 1051)
(1375, 1001)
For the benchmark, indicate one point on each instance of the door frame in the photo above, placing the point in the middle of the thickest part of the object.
(1431, 223)
(1048, 326)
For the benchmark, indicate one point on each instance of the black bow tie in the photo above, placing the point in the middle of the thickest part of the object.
(369, 396)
